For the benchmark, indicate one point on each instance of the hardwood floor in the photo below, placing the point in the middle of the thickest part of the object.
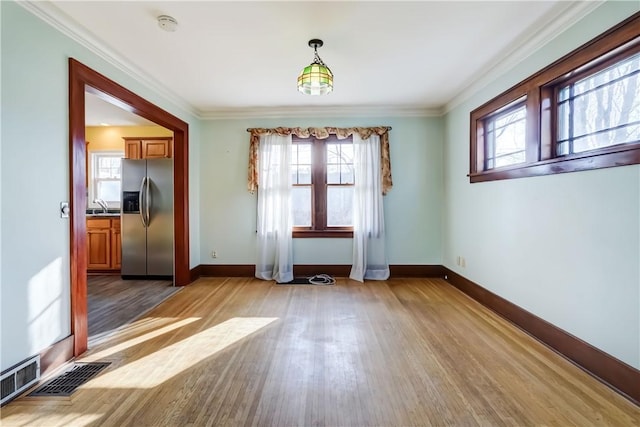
(405, 352)
(113, 302)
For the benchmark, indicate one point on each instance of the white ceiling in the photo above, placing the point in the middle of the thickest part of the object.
(227, 58)
(102, 113)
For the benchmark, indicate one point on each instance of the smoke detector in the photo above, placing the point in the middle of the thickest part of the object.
(167, 23)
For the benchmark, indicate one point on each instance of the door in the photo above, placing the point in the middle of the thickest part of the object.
(160, 228)
(133, 231)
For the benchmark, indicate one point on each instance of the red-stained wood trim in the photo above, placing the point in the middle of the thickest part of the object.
(226, 270)
(401, 270)
(339, 270)
(308, 270)
(81, 79)
(301, 234)
(611, 371)
(611, 46)
(605, 158)
(55, 355)
(196, 272)
(78, 204)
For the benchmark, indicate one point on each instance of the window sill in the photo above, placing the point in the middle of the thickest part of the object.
(629, 154)
(345, 234)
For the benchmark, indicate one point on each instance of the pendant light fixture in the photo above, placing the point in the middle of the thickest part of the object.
(316, 78)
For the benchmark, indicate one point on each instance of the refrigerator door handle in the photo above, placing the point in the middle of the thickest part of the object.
(147, 202)
(141, 201)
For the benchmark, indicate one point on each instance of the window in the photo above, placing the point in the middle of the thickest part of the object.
(601, 109)
(581, 112)
(322, 196)
(105, 173)
(505, 138)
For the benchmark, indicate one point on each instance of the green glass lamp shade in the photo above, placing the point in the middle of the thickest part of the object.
(315, 79)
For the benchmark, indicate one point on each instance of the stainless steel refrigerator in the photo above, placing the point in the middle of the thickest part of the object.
(147, 218)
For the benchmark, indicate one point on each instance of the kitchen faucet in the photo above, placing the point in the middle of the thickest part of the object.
(102, 204)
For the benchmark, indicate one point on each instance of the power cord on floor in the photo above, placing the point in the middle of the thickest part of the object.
(322, 279)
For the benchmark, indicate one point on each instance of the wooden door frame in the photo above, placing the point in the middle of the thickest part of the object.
(81, 79)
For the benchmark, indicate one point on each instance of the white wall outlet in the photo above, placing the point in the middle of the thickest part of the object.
(463, 262)
(214, 254)
(458, 260)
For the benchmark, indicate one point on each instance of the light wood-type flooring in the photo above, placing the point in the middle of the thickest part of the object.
(113, 302)
(405, 352)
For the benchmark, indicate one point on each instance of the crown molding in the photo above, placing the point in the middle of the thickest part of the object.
(53, 16)
(315, 112)
(551, 25)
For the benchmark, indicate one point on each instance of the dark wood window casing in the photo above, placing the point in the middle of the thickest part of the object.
(319, 186)
(540, 93)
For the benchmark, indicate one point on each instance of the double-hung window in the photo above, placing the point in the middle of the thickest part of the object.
(323, 179)
(581, 112)
(105, 177)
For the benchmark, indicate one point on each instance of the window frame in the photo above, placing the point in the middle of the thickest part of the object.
(508, 109)
(540, 90)
(92, 187)
(319, 187)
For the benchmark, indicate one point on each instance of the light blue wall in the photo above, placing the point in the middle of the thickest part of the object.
(564, 247)
(412, 207)
(35, 179)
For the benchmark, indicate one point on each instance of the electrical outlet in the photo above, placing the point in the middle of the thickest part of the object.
(463, 262)
(458, 260)
(214, 254)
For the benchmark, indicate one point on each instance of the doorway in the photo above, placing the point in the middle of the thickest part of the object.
(81, 79)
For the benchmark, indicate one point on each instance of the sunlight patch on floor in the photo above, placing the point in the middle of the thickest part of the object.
(138, 340)
(162, 365)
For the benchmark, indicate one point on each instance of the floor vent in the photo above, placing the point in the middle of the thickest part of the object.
(18, 378)
(67, 382)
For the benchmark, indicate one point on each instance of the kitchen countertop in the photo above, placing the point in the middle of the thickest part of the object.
(110, 213)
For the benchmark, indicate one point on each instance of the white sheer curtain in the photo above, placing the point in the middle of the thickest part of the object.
(275, 254)
(369, 253)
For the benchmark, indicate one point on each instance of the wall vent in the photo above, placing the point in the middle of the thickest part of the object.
(18, 378)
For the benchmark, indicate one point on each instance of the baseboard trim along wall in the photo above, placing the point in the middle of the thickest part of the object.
(55, 355)
(616, 374)
(340, 270)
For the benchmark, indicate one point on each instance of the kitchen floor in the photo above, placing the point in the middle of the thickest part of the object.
(113, 302)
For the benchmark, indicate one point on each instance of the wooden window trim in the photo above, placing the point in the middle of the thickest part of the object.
(319, 186)
(612, 46)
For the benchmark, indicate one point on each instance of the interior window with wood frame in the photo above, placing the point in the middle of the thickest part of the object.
(581, 112)
(323, 184)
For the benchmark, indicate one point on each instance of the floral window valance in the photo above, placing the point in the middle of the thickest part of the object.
(322, 133)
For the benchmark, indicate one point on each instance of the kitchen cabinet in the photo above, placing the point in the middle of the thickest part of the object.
(132, 149)
(148, 148)
(116, 245)
(103, 244)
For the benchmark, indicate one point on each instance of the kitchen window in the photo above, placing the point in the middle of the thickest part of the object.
(323, 184)
(581, 112)
(105, 178)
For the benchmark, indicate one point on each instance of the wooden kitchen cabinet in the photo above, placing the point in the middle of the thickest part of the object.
(103, 244)
(116, 245)
(148, 148)
(132, 149)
